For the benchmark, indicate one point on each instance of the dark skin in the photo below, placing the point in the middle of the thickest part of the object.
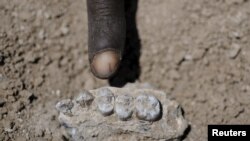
(107, 32)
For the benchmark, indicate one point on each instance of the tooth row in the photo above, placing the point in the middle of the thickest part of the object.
(145, 106)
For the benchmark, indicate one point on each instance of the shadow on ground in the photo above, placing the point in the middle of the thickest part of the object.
(129, 70)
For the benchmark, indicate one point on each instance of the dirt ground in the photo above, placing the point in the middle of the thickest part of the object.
(195, 50)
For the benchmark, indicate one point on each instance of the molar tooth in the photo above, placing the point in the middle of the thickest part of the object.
(85, 98)
(65, 106)
(147, 107)
(105, 101)
(124, 106)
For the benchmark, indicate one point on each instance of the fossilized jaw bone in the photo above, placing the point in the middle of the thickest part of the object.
(143, 113)
(124, 106)
(147, 107)
(105, 101)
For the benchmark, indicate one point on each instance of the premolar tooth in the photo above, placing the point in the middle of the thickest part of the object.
(65, 106)
(147, 107)
(105, 101)
(85, 98)
(124, 106)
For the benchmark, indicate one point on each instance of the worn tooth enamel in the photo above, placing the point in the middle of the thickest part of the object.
(65, 106)
(124, 106)
(85, 98)
(147, 107)
(105, 101)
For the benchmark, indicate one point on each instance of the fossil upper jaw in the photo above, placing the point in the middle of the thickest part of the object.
(143, 113)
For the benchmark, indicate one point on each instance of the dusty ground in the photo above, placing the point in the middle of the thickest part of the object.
(195, 50)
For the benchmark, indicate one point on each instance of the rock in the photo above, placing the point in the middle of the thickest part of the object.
(64, 30)
(234, 51)
(160, 117)
(41, 34)
(38, 81)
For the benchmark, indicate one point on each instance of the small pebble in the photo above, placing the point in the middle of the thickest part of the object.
(234, 51)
